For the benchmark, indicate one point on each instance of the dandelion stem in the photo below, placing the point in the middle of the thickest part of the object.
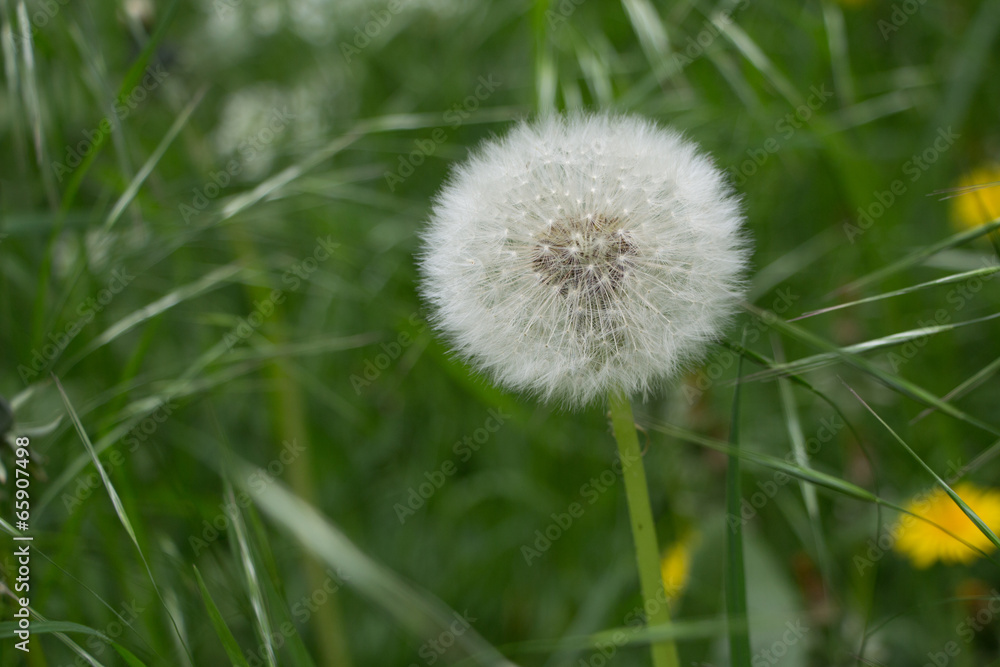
(647, 552)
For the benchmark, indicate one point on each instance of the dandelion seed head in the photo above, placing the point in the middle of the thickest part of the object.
(623, 256)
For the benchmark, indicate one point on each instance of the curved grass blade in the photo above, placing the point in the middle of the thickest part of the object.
(826, 358)
(706, 628)
(980, 524)
(802, 458)
(416, 611)
(206, 283)
(133, 187)
(60, 635)
(892, 381)
(958, 277)
(116, 501)
(127, 655)
(735, 580)
(221, 629)
(914, 258)
(8, 628)
(261, 619)
(965, 387)
(810, 475)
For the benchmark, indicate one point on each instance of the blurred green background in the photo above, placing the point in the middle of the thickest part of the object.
(208, 215)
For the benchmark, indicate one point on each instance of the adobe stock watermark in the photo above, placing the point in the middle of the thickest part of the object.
(901, 13)
(128, 614)
(293, 277)
(229, 510)
(710, 31)
(123, 105)
(453, 118)
(223, 8)
(562, 522)
(392, 350)
(913, 168)
(434, 648)
(634, 621)
(42, 12)
(302, 610)
(557, 19)
(958, 297)
(364, 34)
(87, 310)
(966, 631)
(785, 127)
(772, 655)
(138, 434)
(879, 547)
(722, 358)
(768, 489)
(248, 149)
(462, 450)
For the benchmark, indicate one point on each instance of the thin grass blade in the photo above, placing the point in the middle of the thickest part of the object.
(221, 628)
(735, 580)
(980, 524)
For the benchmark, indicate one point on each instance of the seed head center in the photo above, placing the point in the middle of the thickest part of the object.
(590, 257)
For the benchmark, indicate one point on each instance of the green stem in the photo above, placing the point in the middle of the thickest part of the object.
(647, 552)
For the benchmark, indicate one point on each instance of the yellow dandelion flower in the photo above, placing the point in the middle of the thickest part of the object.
(675, 565)
(977, 205)
(924, 544)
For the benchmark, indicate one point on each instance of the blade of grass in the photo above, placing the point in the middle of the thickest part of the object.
(735, 579)
(115, 501)
(133, 187)
(213, 280)
(965, 387)
(262, 620)
(416, 611)
(811, 475)
(221, 629)
(802, 256)
(914, 258)
(681, 630)
(33, 104)
(955, 278)
(836, 39)
(894, 382)
(39, 620)
(653, 38)
(127, 655)
(9, 628)
(980, 524)
(968, 67)
(798, 439)
(819, 360)
(129, 82)
(756, 56)
(277, 596)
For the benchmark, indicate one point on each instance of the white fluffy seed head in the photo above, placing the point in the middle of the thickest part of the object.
(583, 254)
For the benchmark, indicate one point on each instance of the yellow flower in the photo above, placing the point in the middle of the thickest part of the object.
(924, 544)
(675, 565)
(977, 205)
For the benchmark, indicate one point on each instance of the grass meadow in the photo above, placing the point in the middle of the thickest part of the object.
(240, 442)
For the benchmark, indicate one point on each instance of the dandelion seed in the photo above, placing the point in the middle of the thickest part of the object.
(628, 257)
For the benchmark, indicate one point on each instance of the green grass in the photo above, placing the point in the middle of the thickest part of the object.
(269, 408)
